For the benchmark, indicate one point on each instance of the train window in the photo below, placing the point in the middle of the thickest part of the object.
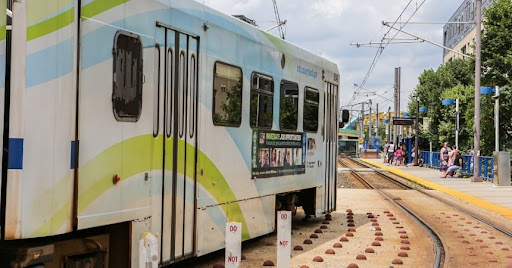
(127, 78)
(262, 101)
(227, 95)
(289, 105)
(311, 100)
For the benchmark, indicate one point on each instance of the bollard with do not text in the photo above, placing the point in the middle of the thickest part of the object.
(284, 237)
(233, 244)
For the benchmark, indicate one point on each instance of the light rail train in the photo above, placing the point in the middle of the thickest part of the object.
(134, 130)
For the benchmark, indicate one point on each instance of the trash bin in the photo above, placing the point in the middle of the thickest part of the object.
(501, 169)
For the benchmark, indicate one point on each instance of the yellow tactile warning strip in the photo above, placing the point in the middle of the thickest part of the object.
(503, 211)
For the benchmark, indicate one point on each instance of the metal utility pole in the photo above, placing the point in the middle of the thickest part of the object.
(396, 129)
(362, 126)
(478, 58)
(417, 131)
(370, 134)
(388, 127)
(377, 124)
(457, 112)
(497, 119)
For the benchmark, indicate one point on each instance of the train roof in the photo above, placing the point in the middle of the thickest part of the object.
(256, 34)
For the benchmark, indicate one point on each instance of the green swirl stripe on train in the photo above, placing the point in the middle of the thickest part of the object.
(138, 149)
(67, 17)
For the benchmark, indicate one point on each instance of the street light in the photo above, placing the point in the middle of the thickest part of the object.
(456, 102)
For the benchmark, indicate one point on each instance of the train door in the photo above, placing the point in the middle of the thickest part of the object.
(330, 138)
(179, 70)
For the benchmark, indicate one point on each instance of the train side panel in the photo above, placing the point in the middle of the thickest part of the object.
(42, 119)
(143, 160)
(3, 69)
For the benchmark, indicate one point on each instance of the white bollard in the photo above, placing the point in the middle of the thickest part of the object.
(284, 237)
(233, 244)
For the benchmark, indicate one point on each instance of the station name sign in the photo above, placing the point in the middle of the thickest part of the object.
(402, 121)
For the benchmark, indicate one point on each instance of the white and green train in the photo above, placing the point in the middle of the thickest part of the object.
(133, 130)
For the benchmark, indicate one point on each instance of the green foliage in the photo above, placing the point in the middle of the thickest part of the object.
(261, 110)
(456, 80)
(497, 44)
(232, 108)
(288, 113)
(497, 70)
(450, 81)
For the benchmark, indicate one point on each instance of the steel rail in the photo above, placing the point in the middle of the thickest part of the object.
(440, 252)
(388, 178)
(451, 204)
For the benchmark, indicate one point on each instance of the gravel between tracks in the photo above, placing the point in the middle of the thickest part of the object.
(361, 202)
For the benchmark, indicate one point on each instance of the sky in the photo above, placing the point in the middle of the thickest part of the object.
(327, 27)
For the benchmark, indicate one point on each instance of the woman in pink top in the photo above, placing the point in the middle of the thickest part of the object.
(399, 154)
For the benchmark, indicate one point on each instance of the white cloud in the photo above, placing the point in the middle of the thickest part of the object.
(327, 27)
(330, 8)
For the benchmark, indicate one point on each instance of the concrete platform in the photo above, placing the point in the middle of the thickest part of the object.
(485, 195)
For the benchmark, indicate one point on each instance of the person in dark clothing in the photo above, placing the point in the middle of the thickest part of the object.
(457, 164)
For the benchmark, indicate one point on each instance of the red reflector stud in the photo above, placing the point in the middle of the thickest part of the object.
(116, 179)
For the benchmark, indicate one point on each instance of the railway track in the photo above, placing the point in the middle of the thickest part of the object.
(353, 165)
(349, 163)
(367, 176)
(387, 226)
(461, 209)
(440, 248)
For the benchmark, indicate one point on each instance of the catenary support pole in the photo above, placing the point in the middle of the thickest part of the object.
(497, 119)
(362, 128)
(457, 123)
(396, 129)
(478, 58)
(370, 132)
(417, 132)
(388, 126)
(377, 123)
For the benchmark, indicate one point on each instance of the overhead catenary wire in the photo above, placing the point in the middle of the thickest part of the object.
(389, 40)
(379, 52)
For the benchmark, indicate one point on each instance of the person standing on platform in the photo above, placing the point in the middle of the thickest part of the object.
(443, 161)
(391, 150)
(405, 153)
(385, 151)
(399, 156)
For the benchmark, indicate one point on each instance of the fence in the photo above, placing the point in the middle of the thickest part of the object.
(433, 159)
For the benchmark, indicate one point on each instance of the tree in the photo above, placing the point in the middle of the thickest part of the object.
(497, 71)
(451, 80)
(497, 44)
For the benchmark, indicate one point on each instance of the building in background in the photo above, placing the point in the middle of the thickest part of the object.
(461, 37)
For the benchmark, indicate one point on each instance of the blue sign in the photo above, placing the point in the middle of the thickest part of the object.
(423, 109)
(448, 102)
(487, 90)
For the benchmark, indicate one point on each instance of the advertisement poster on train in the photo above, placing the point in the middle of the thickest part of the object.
(278, 153)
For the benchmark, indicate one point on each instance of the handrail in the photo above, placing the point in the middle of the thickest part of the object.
(433, 159)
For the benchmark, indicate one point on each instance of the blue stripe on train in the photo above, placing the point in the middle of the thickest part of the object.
(15, 153)
(50, 63)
